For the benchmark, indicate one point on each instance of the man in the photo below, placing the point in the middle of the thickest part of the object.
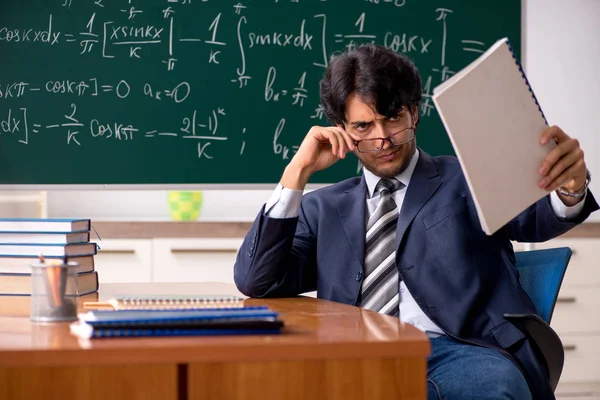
(404, 239)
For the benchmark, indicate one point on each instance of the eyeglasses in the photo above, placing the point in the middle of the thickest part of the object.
(396, 139)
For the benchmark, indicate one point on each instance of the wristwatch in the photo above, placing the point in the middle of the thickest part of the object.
(580, 192)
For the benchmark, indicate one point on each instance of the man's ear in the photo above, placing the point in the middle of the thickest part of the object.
(415, 115)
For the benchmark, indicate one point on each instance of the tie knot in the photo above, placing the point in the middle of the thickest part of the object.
(387, 186)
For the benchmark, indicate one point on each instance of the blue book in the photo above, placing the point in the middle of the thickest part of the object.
(47, 249)
(89, 332)
(54, 225)
(149, 316)
(44, 237)
(246, 320)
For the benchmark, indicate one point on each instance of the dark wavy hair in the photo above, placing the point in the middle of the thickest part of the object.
(379, 76)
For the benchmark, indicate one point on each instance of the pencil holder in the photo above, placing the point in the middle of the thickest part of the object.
(53, 292)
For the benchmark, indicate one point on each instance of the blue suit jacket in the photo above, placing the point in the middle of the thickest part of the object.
(461, 278)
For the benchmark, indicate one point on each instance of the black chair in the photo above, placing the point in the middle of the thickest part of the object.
(541, 274)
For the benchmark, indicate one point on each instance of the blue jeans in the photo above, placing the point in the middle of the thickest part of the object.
(461, 371)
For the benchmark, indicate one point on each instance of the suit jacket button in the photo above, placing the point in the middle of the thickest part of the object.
(359, 276)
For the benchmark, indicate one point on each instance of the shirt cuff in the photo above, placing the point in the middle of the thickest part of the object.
(283, 203)
(563, 211)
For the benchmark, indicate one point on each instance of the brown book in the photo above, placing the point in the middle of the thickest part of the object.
(20, 284)
(22, 265)
(20, 306)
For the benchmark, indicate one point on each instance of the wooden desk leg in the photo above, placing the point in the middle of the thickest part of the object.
(114, 382)
(331, 380)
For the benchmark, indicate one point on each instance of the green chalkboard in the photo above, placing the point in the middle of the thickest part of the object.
(168, 92)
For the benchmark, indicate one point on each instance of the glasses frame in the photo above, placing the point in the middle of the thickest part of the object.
(383, 140)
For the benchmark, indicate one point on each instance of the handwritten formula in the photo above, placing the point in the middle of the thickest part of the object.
(209, 83)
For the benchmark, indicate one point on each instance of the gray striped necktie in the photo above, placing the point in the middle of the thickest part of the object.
(379, 290)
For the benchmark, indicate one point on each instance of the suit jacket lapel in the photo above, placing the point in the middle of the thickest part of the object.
(351, 208)
(423, 184)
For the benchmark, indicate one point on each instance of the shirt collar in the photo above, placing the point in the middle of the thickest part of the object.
(372, 180)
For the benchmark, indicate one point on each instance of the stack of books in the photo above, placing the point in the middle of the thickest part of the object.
(24, 241)
(174, 316)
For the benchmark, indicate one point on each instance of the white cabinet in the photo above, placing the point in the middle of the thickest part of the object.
(577, 310)
(576, 318)
(194, 260)
(124, 260)
(583, 268)
(167, 260)
(581, 358)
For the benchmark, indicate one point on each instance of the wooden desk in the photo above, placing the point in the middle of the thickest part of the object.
(327, 351)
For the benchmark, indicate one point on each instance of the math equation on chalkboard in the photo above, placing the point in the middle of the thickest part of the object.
(229, 88)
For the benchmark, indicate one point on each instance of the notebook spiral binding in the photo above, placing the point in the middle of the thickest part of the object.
(179, 301)
(510, 47)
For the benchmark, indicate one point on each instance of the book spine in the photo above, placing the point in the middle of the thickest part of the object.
(108, 333)
(510, 47)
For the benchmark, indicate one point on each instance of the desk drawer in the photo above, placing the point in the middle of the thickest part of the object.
(577, 310)
(581, 358)
(124, 260)
(578, 391)
(584, 267)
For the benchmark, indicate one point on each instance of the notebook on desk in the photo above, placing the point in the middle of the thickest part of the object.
(495, 123)
(247, 320)
(166, 302)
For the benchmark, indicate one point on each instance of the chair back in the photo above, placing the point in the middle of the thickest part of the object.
(541, 274)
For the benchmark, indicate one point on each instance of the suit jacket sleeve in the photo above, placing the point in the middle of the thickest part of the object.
(277, 258)
(539, 222)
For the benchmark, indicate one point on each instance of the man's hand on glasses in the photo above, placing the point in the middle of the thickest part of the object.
(321, 148)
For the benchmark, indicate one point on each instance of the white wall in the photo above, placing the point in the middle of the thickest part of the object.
(562, 55)
(221, 205)
(562, 60)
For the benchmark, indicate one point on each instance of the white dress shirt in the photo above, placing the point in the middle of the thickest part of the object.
(285, 203)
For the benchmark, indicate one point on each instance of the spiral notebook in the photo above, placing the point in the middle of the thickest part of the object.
(494, 122)
(166, 302)
(247, 320)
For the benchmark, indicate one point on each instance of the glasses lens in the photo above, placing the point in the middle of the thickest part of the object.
(368, 145)
(402, 136)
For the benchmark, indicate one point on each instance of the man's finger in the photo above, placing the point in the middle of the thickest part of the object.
(353, 136)
(345, 143)
(553, 132)
(343, 149)
(565, 177)
(555, 154)
(562, 165)
(347, 138)
(339, 149)
(333, 139)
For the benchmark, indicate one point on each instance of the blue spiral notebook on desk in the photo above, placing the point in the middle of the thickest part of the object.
(190, 322)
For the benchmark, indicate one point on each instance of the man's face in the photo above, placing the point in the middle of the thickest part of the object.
(365, 122)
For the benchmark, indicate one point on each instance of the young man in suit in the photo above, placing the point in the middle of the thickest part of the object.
(404, 239)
